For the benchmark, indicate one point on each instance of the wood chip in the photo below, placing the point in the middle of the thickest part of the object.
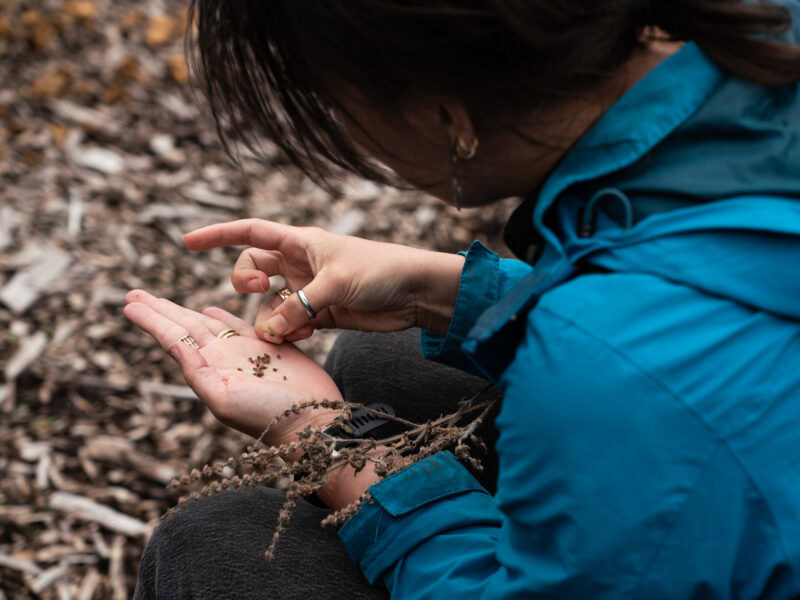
(120, 450)
(83, 508)
(47, 578)
(90, 118)
(89, 585)
(348, 223)
(104, 160)
(202, 194)
(18, 564)
(27, 285)
(116, 569)
(167, 389)
(30, 349)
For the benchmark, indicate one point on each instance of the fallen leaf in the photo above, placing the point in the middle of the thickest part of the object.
(130, 20)
(177, 68)
(160, 29)
(81, 9)
(49, 84)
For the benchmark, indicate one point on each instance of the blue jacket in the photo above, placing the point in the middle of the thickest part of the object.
(650, 427)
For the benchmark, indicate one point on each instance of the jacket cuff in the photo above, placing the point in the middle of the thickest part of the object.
(421, 501)
(477, 291)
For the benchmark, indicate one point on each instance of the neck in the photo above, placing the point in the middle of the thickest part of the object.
(512, 164)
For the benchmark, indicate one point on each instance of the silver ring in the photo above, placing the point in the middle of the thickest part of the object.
(187, 339)
(226, 333)
(304, 301)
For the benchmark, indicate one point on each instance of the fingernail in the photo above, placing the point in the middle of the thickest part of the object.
(255, 285)
(277, 326)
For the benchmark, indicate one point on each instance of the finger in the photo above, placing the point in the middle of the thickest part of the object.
(303, 333)
(291, 315)
(323, 321)
(196, 370)
(168, 334)
(230, 320)
(190, 322)
(250, 232)
(263, 314)
(252, 270)
(165, 331)
(169, 308)
(184, 315)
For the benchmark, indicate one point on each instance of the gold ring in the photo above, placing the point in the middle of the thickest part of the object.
(187, 339)
(285, 293)
(226, 333)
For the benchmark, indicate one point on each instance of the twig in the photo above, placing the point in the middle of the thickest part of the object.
(19, 564)
(89, 510)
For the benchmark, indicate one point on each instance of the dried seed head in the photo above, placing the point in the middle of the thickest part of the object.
(267, 465)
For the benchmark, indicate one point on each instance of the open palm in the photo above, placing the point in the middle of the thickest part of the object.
(220, 373)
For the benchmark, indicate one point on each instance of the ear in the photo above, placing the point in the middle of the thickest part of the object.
(455, 119)
(440, 119)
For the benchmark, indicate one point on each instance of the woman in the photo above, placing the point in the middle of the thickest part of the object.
(647, 343)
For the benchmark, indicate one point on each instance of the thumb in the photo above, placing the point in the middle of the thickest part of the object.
(291, 315)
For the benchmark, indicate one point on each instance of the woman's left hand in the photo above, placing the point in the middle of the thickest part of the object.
(221, 375)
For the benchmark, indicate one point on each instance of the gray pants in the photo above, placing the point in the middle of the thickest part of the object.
(214, 547)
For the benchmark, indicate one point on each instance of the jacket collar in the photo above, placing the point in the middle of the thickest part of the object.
(646, 114)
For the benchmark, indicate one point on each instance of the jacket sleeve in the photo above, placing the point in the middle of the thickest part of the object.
(591, 483)
(485, 279)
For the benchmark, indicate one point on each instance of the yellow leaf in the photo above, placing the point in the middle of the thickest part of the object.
(6, 30)
(59, 133)
(160, 30)
(49, 84)
(81, 9)
(177, 68)
(129, 20)
(30, 17)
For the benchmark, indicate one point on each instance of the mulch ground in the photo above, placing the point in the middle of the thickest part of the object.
(106, 159)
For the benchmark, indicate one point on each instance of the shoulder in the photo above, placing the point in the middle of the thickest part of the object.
(637, 341)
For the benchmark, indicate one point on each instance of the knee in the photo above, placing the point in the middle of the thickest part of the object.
(214, 517)
(359, 353)
(345, 351)
(189, 544)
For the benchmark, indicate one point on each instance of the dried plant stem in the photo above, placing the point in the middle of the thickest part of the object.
(319, 458)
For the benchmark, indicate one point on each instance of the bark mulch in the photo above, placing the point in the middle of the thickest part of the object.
(106, 159)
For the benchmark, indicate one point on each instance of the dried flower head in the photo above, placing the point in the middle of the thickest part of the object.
(271, 465)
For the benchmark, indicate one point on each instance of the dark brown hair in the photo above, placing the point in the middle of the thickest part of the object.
(268, 66)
